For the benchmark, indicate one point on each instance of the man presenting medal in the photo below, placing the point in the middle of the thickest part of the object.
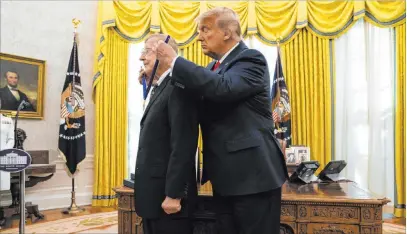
(242, 157)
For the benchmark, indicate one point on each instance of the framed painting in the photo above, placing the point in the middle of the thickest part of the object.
(22, 86)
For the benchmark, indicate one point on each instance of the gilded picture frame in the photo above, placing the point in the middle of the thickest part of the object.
(22, 79)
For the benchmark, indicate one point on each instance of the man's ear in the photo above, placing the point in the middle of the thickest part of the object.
(227, 35)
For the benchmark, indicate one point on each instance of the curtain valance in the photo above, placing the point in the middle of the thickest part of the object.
(269, 20)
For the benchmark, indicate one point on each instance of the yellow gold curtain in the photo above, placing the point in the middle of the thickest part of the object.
(307, 67)
(180, 20)
(386, 13)
(276, 20)
(111, 122)
(400, 127)
(269, 20)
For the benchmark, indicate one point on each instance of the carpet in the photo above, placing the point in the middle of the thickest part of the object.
(107, 223)
(389, 228)
(113, 229)
(80, 224)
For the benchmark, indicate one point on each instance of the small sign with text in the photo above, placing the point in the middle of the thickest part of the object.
(14, 160)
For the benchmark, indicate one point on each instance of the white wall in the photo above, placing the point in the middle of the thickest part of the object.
(43, 30)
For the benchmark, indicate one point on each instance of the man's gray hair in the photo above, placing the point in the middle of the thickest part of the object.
(159, 36)
(226, 19)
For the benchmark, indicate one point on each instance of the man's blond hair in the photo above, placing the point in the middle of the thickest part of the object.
(226, 19)
(159, 36)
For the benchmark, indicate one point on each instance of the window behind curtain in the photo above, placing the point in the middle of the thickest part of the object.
(135, 104)
(364, 110)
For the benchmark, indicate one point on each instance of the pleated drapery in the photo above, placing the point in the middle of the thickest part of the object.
(111, 123)
(400, 127)
(307, 62)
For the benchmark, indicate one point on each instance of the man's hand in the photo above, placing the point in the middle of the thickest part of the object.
(164, 53)
(171, 206)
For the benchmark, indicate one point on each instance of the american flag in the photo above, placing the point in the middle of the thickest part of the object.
(64, 111)
(276, 116)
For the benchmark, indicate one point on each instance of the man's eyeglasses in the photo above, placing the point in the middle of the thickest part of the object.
(146, 51)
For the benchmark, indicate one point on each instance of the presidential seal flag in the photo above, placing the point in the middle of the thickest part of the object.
(72, 117)
(280, 106)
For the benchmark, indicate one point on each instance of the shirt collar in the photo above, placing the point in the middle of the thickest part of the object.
(162, 77)
(227, 53)
(11, 88)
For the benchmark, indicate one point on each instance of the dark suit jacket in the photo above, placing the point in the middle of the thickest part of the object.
(167, 147)
(241, 154)
(9, 102)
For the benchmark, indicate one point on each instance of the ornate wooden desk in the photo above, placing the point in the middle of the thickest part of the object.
(310, 208)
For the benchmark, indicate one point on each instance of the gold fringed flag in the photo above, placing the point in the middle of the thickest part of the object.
(280, 106)
(72, 117)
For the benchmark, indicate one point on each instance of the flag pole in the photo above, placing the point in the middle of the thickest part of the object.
(278, 52)
(278, 72)
(73, 209)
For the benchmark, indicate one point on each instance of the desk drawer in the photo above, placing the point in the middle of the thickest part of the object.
(320, 228)
(288, 212)
(329, 214)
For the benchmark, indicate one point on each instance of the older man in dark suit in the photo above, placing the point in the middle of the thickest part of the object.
(165, 181)
(11, 95)
(242, 157)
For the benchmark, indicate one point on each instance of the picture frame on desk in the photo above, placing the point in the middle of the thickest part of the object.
(290, 156)
(295, 155)
(302, 154)
(22, 79)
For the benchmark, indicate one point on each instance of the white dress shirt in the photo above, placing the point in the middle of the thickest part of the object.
(15, 93)
(227, 53)
(159, 81)
(6, 142)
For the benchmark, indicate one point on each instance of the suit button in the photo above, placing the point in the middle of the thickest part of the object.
(141, 126)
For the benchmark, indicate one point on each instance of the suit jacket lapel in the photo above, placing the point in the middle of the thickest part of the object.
(157, 92)
(210, 65)
(11, 96)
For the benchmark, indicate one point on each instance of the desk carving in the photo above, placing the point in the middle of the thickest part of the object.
(338, 208)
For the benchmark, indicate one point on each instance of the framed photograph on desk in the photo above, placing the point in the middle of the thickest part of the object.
(302, 154)
(290, 156)
(297, 154)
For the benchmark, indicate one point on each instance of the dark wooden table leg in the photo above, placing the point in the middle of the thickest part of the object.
(15, 195)
(32, 209)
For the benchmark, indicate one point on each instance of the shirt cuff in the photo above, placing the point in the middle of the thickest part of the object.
(172, 65)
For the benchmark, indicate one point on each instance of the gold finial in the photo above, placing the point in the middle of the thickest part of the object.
(75, 23)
